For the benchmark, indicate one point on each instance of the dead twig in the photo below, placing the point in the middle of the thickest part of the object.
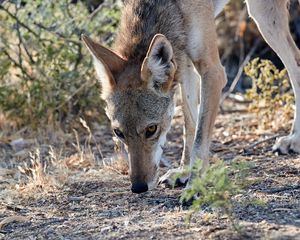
(282, 189)
(18, 21)
(17, 64)
(12, 219)
(98, 9)
(240, 72)
(263, 141)
(22, 43)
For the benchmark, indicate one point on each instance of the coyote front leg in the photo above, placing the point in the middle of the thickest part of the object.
(212, 83)
(203, 50)
(190, 90)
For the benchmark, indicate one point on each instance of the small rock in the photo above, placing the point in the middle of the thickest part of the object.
(105, 229)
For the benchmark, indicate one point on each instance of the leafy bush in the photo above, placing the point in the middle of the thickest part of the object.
(271, 94)
(44, 75)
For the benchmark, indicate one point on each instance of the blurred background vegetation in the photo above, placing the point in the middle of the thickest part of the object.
(47, 77)
(44, 76)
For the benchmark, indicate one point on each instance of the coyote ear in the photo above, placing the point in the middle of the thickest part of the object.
(159, 67)
(107, 64)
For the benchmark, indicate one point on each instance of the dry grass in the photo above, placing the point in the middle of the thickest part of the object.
(37, 179)
(37, 163)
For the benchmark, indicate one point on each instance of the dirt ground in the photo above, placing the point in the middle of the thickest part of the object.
(95, 202)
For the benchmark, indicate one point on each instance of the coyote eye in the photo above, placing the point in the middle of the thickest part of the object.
(150, 131)
(119, 133)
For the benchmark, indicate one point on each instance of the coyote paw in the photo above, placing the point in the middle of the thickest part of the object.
(288, 144)
(174, 178)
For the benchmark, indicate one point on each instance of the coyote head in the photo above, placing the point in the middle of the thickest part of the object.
(139, 103)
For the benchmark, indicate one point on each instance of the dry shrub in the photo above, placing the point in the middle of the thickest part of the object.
(271, 95)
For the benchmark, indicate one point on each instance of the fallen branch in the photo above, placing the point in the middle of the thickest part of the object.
(263, 141)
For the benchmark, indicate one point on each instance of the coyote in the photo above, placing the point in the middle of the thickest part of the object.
(165, 43)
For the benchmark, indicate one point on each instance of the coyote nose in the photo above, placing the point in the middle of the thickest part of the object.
(139, 187)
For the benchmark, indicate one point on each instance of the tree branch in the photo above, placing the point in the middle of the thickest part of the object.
(18, 21)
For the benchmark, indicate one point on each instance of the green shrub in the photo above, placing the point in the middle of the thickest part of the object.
(271, 94)
(44, 75)
(216, 187)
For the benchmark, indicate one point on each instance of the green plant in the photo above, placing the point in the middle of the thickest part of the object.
(271, 95)
(44, 75)
(215, 187)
